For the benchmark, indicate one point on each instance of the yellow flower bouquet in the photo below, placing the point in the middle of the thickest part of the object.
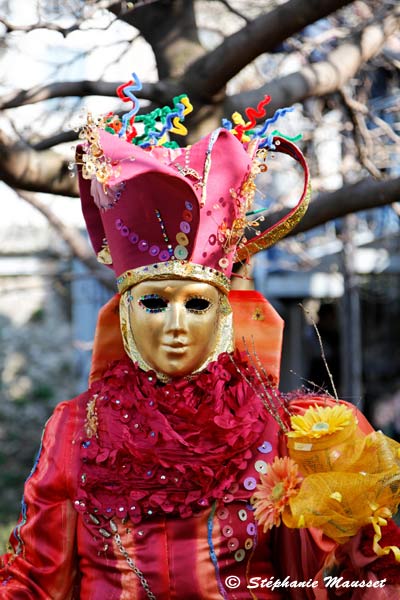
(336, 478)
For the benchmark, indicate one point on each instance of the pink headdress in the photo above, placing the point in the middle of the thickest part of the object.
(155, 211)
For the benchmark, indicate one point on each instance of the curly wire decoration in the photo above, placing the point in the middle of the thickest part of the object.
(171, 119)
(256, 113)
(163, 120)
(125, 92)
(268, 142)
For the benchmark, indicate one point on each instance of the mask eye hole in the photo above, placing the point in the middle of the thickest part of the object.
(153, 303)
(198, 305)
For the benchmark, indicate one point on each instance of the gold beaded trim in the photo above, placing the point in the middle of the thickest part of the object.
(174, 269)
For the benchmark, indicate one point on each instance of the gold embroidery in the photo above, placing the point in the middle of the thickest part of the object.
(104, 256)
(258, 315)
(91, 417)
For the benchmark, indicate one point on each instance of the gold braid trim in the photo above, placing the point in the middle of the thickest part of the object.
(174, 269)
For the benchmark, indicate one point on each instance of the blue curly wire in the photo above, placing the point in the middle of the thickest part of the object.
(227, 124)
(279, 113)
(136, 86)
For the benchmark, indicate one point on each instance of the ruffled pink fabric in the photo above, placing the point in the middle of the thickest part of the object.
(168, 448)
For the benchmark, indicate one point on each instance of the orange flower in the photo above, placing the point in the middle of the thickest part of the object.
(278, 485)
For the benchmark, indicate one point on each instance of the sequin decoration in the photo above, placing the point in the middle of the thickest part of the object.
(260, 466)
(265, 448)
(240, 555)
(181, 252)
(182, 239)
(242, 514)
(233, 544)
(251, 528)
(184, 227)
(223, 513)
(133, 238)
(248, 544)
(227, 531)
(250, 483)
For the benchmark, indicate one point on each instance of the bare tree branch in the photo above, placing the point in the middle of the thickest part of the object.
(234, 11)
(362, 135)
(46, 171)
(326, 76)
(363, 195)
(72, 88)
(380, 123)
(171, 30)
(77, 244)
(210, 73)
(206, 76)
(65, 31)
(41, 25)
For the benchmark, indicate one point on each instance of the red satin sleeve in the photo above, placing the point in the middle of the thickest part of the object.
(42, 564)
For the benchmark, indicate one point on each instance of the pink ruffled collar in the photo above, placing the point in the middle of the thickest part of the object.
(163, 449)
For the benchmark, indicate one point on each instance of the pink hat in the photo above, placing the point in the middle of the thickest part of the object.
(172, 212)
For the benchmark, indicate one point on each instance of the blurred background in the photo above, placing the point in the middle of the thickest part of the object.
(336, 62)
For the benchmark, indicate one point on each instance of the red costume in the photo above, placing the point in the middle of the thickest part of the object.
(143, 484)
(176, 475)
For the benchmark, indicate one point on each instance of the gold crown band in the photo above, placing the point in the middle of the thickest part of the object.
(174, 269)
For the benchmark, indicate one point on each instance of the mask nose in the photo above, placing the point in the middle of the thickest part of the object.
(177, 318)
